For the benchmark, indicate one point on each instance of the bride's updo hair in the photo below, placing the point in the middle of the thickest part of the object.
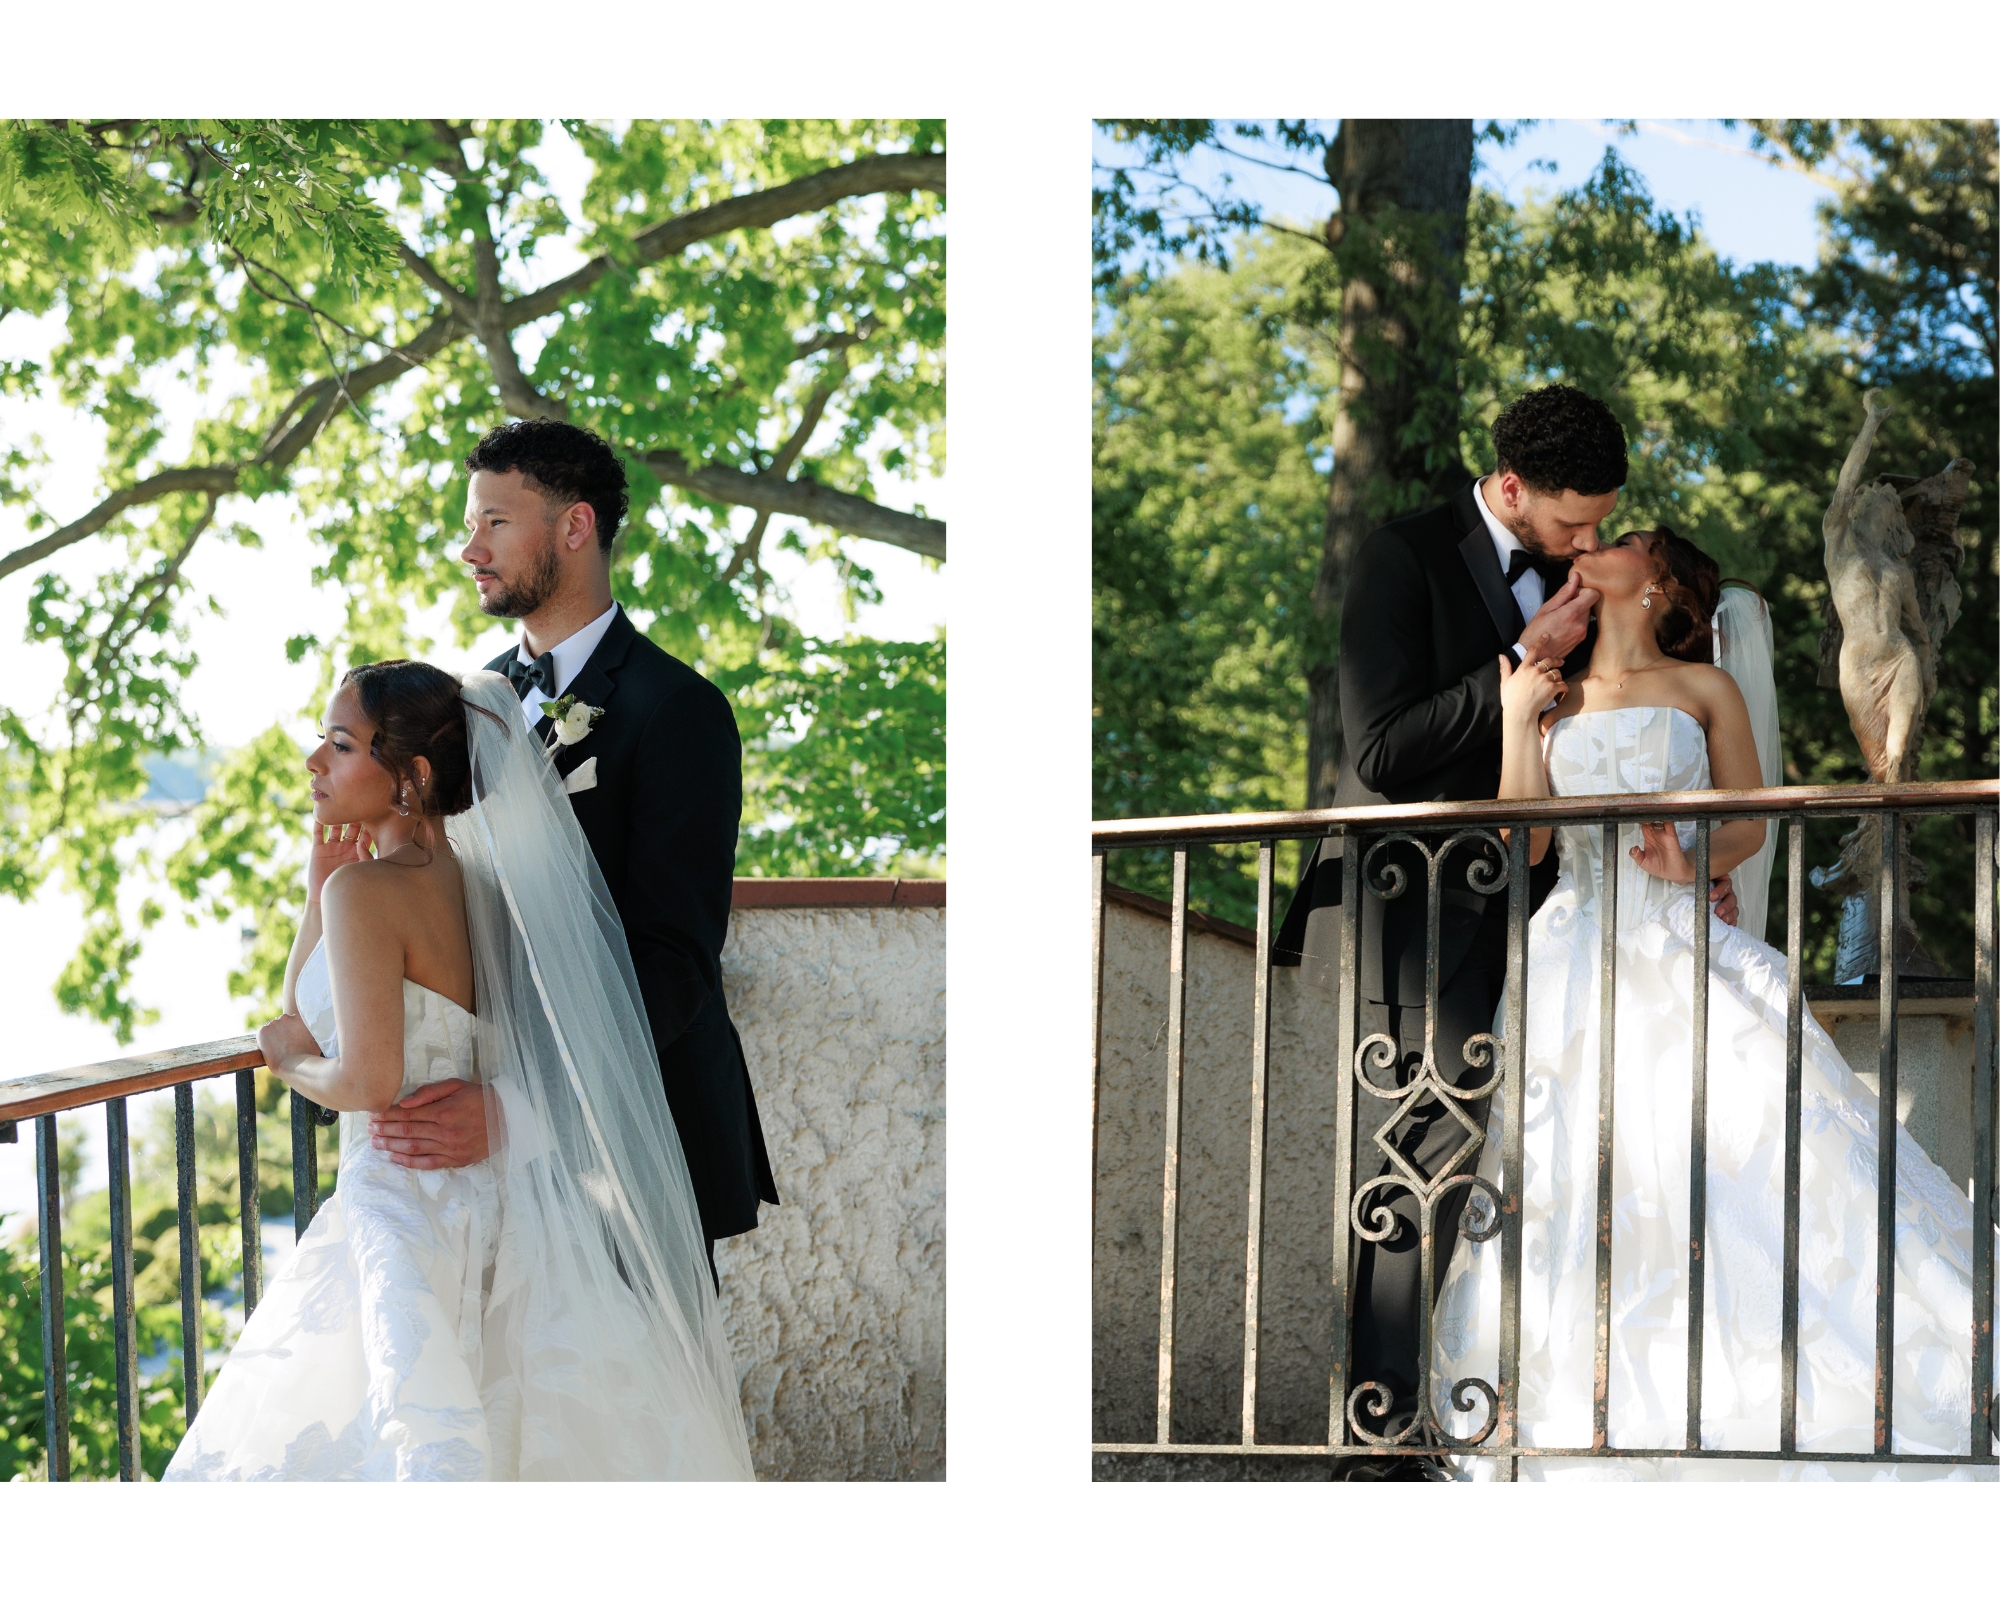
(418, 710)
(1692, 584)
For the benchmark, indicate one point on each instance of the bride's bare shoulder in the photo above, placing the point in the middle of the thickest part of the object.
(1713, 687)
(386, 890)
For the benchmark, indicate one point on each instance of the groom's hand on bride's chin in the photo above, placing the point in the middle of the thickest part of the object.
(440, 1125)
(1559, 626)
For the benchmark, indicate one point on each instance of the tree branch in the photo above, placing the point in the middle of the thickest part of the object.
(466, 308)
(801, 497)
(201, 480)
(222, 477)
(520, 397)
(316, 402)
(869, 175)
(748, 551)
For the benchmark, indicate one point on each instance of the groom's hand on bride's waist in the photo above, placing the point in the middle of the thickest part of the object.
(1559, 626)
(1722, 899)
(440, 1125)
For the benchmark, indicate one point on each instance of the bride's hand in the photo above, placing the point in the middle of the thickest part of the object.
(332, 847)
(1660, 853)
(1526, 691)
(284, 1037)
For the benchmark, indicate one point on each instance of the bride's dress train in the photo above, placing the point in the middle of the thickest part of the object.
(1650, 749)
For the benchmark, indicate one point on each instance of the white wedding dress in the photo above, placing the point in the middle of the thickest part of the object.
(1652, 749)
(360, 1360)
(546, 1313)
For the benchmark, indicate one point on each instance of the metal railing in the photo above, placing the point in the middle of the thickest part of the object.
(111, 1084)
(1451, 825)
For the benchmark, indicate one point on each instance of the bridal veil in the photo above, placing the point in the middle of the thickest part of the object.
(1744, 650)
(602, 1352)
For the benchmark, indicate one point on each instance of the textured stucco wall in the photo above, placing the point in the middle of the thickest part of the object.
(1214, 1203)
(1933, 1080)
(835, 1304)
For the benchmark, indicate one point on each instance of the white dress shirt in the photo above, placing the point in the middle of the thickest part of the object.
(1529, 590)
(570, 657)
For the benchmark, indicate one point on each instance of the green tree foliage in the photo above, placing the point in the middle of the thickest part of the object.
(1739, 385)
(1210, 391)
(91, 1366)
(757, 325)
(826, 731)
(87, 1316)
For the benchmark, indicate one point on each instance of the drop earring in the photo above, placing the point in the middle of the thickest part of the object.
(403, 802)
(1646, 599)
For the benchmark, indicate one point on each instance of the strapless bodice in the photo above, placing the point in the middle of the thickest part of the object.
(1623, 750)
(437, 1031)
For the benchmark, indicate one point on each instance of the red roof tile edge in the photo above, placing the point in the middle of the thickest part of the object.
(1197, 921)
(763, 894)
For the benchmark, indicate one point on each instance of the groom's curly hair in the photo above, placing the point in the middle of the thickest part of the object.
(1560, 438)
(561, 461)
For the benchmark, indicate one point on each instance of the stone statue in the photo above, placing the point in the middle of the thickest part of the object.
(1892, 550)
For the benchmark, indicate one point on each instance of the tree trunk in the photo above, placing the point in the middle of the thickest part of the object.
(1398, 242)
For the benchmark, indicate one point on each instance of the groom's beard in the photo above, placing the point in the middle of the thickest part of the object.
(1531, 541)
(527, 595)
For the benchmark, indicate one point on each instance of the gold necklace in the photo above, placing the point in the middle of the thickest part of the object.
(1637, 670)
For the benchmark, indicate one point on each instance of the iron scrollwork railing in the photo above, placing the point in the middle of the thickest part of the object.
(1359, 1405)
(37, 1100)
(1370, 1212)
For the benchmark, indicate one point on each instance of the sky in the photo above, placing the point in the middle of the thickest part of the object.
(1749, 210)
(244, 684)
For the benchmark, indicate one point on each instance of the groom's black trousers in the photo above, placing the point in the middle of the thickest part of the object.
(1387, 1276)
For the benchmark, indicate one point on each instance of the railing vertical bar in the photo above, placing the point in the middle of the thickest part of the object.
(1098, 867)
(1600, 1405)
(189, 1218)
(1698, 1141)
(1260, 1061)
(248, 1198)
(124, 1326)
(55, 1344)
(1795, 940)
(1170, 1186)
(1349, 1028)
(1889, 888)
(1512, 1138)
(305, 1164)
(1984, 1174)
(1427, 1196)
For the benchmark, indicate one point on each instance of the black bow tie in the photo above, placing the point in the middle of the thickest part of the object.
(541, 672)
(1517, 563)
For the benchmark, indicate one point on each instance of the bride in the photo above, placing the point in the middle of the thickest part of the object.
(1649, 714)
(547, 1313)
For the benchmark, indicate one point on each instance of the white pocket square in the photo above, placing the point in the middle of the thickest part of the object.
(584, 777)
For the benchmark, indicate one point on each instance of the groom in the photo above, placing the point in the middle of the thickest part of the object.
(1432, 601)
(651, 761)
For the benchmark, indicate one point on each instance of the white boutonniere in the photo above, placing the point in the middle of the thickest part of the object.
(572, 718)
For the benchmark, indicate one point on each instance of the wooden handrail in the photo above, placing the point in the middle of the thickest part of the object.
(66, 1088)
(1834, 800)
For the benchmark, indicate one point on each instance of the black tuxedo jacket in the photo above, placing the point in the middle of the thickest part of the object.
(1426, 615)
(661, 821)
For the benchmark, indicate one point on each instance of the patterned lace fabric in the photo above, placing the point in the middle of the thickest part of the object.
(362, 1360)
(1653, 749)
